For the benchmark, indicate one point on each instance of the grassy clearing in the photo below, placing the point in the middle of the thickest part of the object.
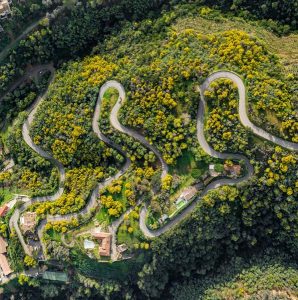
(188, 169)
(185, 163)
(103, 217)
(130, 239)
(54, 235)
(286, 47)
(110, 97)
(6, 195)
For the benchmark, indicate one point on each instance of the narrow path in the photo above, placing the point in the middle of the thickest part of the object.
(30, 28)
(5, 51)
(31, 73)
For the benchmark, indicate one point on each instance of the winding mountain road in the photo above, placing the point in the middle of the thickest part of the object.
(92, 202)
(243, 111)
(203, 143)
(116, 124)
(13, 222)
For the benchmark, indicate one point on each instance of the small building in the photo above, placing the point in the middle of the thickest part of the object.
(4, 265)
(122, 248)
(4, 9)
(28, 221)
(3, 210)
(234, 170)
(89, 245)
(163, 218)
(55, 276)
(104, 239)
(188, 193)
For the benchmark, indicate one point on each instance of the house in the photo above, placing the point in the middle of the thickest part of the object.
(28, 221)
(188, 193)
(104, 239)
(122, 248)
(163, 218)
(4, 265)
(4, 9)
(234, 170)
(3, 210)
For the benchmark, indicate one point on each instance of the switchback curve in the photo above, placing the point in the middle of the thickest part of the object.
(201, 138)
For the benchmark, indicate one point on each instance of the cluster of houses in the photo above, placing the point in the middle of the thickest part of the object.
(189, 193)
(5, 10)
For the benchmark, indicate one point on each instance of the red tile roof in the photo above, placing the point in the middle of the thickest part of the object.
(3, 210)
(105, 239)
(5, 265)
(3, 245)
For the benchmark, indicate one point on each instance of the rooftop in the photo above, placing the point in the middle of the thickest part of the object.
(3, 210)
(4, 7)
(5, 265)
(104, 239)
(28, 221)
(188, 193)
(3, 245)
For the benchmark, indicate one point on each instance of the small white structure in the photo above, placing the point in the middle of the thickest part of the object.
(121, 248)
(89, 245)
(5, 9)
(188, 193)
(163, 218)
